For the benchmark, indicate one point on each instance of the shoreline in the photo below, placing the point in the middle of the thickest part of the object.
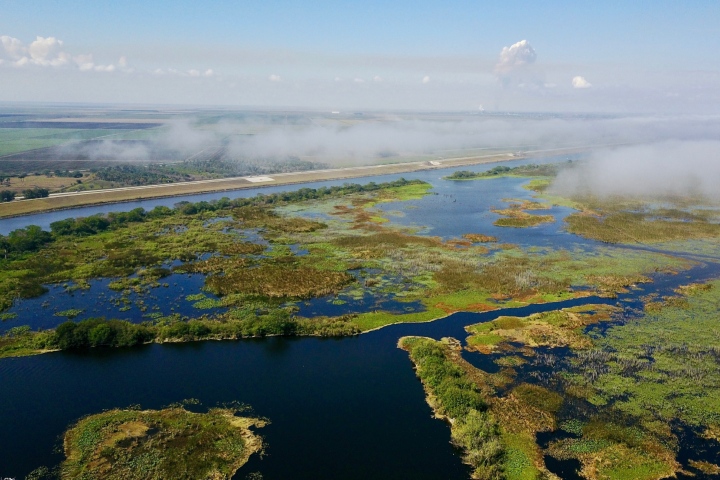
(59, 202)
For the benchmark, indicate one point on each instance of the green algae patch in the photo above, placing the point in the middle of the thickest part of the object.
(158, 444)
(663, 365)
(606, 459)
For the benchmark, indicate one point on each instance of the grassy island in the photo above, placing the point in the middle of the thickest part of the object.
(159, 444)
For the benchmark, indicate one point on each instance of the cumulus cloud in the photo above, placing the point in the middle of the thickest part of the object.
(48, 51)
(426, 79)
(43, 51)
(674, 167)
(516, 56)
(515, 66)
(274, 78)
(12, 47)
(377, 78)
(580, 82)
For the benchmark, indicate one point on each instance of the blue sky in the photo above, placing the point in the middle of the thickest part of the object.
(632, 56)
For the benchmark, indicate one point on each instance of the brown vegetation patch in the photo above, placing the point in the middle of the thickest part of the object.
(705, 467)
(612, 284)
(279, 281)
(479, 238)
(385, 237)
(633, 227)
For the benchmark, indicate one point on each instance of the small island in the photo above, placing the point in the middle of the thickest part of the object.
(168, 443)
(530, 170)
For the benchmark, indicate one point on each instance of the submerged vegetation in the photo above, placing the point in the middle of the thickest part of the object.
(169, 443)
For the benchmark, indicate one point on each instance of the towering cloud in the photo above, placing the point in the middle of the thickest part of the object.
(514, 66)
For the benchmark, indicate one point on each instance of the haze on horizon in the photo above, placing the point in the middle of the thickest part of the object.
(522, 56)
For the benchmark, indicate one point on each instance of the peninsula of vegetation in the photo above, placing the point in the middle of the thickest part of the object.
(617, 407)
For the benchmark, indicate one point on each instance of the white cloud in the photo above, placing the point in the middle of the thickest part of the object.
(515, 67)
(194, 73)
(47, 51)
(580, 82)
(274, 78)
(13, 48)
(84, 62)
(358, 80)
(209, 73)
(516, 55)
(122, 62)
(105, 68)
(426, 79)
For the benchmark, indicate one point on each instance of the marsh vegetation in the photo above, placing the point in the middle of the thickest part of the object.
(168, 443)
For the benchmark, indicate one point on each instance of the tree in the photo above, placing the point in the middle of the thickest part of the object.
(7, 196)
(36, 192)
(28, 239)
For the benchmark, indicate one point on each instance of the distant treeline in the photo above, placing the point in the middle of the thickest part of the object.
(32, 238)
(9, 195)
(213, 167)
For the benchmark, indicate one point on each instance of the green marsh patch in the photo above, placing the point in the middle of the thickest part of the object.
(169, 443)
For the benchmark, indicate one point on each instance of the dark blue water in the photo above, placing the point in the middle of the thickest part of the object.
(101, 301)
(346, 408)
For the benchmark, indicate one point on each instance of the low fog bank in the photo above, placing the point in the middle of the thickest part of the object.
(365, 142)
(664, 168)
(358, 140)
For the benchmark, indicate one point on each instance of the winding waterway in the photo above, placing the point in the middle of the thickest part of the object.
(347, 408)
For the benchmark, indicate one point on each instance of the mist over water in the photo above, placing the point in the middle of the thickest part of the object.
(665, 168)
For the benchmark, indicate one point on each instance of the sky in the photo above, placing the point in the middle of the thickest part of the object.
(657, 56)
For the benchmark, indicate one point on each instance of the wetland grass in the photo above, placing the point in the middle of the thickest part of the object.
(169, 443)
